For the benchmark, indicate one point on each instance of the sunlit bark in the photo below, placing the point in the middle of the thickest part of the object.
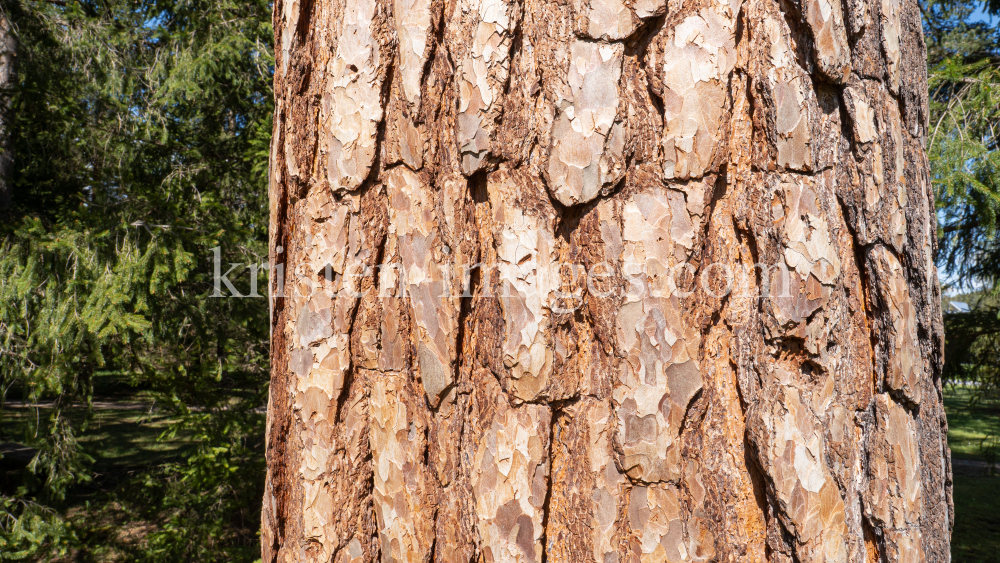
(603, 280)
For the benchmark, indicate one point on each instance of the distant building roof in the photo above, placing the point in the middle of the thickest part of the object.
(961, 307)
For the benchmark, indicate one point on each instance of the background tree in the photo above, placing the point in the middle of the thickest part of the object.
(139, 134)
(8, 57)
(645, 412)
(964, 151)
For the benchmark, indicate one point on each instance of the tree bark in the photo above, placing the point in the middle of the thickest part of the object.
(8, 54)
(603, 280)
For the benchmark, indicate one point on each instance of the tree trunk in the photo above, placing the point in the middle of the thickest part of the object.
(8, 54)
(603, 281)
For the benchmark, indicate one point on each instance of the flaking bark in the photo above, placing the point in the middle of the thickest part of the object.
(504, 332)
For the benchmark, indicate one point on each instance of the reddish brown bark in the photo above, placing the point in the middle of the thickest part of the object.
(508, 329)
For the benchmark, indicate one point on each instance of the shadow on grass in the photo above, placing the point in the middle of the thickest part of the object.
(968, 427)
(976, 535)
(123, 435)
(119, 437)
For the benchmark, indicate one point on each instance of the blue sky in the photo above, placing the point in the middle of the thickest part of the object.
(980, 15)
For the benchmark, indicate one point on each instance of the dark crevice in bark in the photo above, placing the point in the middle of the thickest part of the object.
(854, 34)
(687, 412)
(569, 217)
(899, 396)
(644, 32)
(399, 164)
(639, 48)
(432, 555)
(874, 543)
(492, 161)
(516, 45)
(741, 26)
(740, 392)
(748, 239)
(547, 503)
(559, 208)
(762, 109)
(719, 193)
(637, 44)
(657, 102)
(562, 405)
(304, 186)
(757, 479)
(801, 36)
(470, 288)
(477, 184)
(764, 494)
(802, 173)
(376, 544)
(437, 43)
(376, 168)
(305, 19)
(860, 262)
(913, 409)
(349, 376)
(279, 402)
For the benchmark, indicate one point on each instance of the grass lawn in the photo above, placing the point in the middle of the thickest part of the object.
(122, 434)
(118, 436)
(976, 535)
(966, 428)
(123, 437)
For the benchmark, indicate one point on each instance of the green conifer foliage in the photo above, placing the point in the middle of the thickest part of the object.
(140, 133)
(964, 152)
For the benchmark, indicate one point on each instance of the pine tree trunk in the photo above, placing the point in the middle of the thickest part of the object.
(8, 54)
(603, 281)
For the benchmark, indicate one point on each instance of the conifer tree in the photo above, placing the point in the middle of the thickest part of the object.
(139, 131)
